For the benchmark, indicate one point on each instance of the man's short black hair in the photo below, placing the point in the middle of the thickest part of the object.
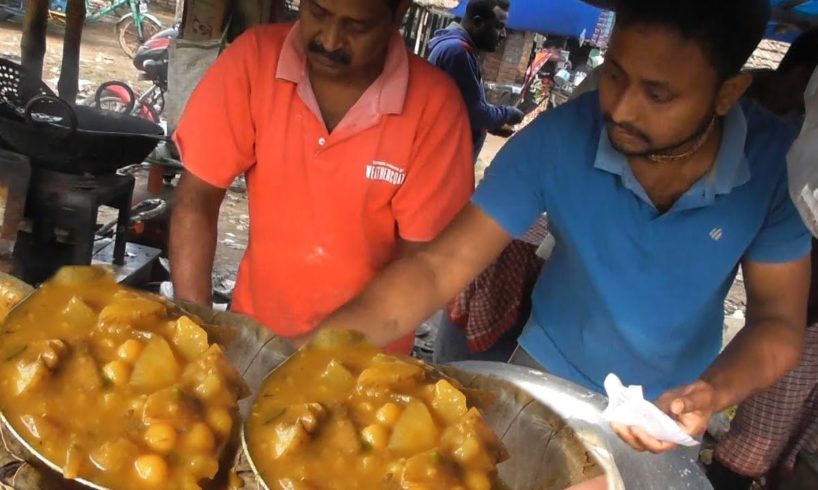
(485, 8)
(728, 30)
(803, 52)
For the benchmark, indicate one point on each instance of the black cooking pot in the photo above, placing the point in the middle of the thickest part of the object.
(57, 136)
(77, 140)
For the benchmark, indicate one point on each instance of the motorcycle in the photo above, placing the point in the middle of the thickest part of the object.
(151, 60)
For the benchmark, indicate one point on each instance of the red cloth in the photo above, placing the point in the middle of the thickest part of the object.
(774, 425)
(490, 306)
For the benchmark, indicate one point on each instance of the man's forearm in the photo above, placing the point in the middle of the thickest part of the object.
(759, 355)
(396, 302)
(193, 231)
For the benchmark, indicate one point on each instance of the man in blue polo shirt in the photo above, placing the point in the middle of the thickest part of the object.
(657, 188)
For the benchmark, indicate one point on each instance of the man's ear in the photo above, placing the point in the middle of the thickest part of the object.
(731, 91)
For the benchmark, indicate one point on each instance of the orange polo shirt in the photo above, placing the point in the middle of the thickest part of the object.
(326, 209)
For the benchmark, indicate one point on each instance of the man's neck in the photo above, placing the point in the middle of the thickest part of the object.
(666, 182)
(337, 95)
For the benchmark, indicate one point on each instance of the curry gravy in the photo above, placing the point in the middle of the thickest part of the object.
(114, 387)
(342, 415)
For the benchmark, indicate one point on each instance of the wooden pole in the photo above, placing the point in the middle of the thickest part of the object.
(68, 86)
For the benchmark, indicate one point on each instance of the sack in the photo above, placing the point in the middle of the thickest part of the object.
(802, 161)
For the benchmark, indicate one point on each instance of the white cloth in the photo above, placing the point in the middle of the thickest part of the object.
(802, 161)
(627, 406)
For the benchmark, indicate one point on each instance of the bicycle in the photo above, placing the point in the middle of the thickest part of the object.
(132, 29)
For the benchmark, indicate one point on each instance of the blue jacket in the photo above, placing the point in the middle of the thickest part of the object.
(452, 51)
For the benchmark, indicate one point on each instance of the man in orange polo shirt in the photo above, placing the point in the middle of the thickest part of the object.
(353, 150)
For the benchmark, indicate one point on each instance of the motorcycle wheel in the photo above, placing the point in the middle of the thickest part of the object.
(128, 37)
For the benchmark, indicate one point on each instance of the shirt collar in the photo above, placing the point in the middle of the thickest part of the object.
(390, 87)
(731, 170)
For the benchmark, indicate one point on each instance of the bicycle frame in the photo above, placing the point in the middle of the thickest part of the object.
(135, 6)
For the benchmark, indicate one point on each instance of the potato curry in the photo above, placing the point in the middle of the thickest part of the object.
(114, 386)
(342, 415)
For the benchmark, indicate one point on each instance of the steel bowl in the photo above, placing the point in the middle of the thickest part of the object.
(582, 410)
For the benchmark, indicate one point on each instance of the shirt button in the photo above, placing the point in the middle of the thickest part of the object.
(321, 141)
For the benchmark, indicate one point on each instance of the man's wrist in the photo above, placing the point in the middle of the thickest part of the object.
(724, 395)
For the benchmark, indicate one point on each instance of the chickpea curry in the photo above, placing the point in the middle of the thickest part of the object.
(116, 387)
(340, 414)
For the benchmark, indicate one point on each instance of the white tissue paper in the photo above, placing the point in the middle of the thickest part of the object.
(627, 406)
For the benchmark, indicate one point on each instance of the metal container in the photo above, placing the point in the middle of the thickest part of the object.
(546, 453)
(582, 410)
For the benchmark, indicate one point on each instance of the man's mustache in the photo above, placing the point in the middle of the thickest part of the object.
(627, 128)
(338, 56)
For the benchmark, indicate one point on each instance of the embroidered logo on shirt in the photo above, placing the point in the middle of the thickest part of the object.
(716, 234)
(385, 172)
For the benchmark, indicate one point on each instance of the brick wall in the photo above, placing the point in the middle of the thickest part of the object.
(507, 66)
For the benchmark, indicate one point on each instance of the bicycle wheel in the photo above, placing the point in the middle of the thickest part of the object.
(128, 36)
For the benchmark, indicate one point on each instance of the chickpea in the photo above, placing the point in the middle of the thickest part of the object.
(117, 372)
(161, 438)
(202, 466)
(200, 438)
(376, 436)
(220, 420)
(388, 414)
(130, 350)
(151, 469)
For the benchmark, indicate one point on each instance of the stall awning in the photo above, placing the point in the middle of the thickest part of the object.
(573, 17)
(555, 17)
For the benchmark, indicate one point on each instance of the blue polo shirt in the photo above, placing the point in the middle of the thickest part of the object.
(627, 289)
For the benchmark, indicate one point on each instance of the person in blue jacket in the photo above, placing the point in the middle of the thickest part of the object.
(455, 49)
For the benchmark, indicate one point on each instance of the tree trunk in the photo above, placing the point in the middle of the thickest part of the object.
(32, 45)
(68, 86)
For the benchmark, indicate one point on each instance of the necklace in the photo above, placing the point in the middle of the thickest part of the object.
(658, 158)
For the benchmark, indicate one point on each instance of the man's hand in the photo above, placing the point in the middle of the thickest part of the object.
(515, 116)
(692, 407)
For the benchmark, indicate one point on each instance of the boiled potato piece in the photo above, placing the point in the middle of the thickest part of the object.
(113, 456)
(78, 314)
(117, 372)
(169, 406)
(130, 310)
(31, 375)
(189, 338)
(415, 430)
(41, 428)
(85, 372)
(471, 441)
(428, 470)
(449, 403)
(82, 275)
(156, 367)
(390, 376)
(337, 377)
(341, 434)
(212, 372)
(75, 460)
(289, 438)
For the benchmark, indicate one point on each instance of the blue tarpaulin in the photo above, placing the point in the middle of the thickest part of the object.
(573, 17)
(554, 17)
